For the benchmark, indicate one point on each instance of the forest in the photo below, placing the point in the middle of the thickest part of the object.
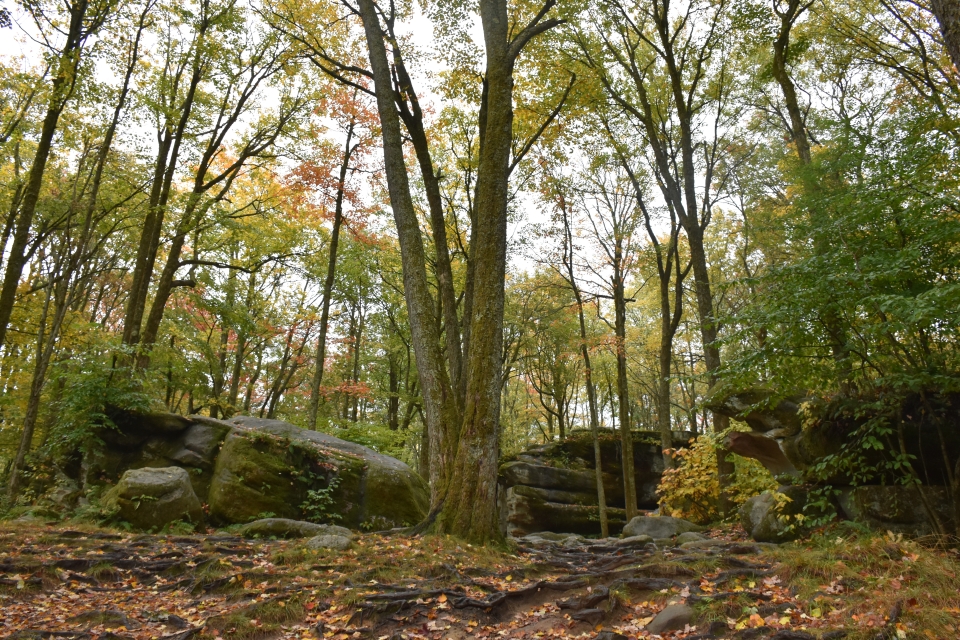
(451, 231)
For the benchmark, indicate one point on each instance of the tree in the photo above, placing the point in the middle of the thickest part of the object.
(665, 67)
(83, 20)
(465, 497)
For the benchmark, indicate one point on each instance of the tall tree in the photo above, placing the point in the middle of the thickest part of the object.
(83, 20)
(664, 66)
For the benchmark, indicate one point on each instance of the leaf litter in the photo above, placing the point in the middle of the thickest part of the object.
(95, 584)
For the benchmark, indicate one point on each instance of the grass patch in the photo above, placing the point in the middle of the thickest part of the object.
(858, 578)
(256, 620)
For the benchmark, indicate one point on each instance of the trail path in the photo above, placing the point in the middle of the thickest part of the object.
(99, 585)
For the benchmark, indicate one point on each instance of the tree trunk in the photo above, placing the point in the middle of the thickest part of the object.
(328, 282)
(587, 371)
(439, 406)
(626, 435)
(948, 17)
(63, 86)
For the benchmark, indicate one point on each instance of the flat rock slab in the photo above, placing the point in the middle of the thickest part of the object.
(673, 618)
(659, 527)
(287, 528)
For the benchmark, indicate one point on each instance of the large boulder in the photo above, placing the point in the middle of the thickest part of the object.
(272, 468)
(150, 499)
(246, 469)
(897, 508)
(658, 527)
(771, 516)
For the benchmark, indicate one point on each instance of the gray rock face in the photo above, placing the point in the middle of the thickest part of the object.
(246, 469)
(152, 498)
(526, 513)
(553, 487)
(766, 521)
(337, 543)
(659, 527)
(896, 508)
(673, 618)
(287, 528)
(261, 469)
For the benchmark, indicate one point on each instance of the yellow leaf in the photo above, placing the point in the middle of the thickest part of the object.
(785, 620)
(816, 613)
(442, 598)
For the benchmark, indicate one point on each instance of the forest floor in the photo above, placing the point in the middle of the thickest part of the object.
(97, 584)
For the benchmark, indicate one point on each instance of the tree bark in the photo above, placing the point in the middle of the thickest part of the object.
(61, 91)
(439, 406)
(948, 17)
(328, 281)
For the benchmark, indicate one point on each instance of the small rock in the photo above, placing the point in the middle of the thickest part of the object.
(767, 520)
(634, 541)
(327, 541)
(286, 528)
(701, 544)
(173, 621)
(658, 527)
(592, 616)
(674, 617)
(554, 537)
(690, 536)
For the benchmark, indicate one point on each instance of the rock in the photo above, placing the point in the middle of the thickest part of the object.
(690, 536)
(591, 616)
(544, 477)
(828, 427)
(287, 528)
(564, 473)
(269, 466)
(762, 448)
(153, 498)
(896, 508)
(527, 514)
(65, 493)
(659, 526)
(338, 543)
(765, 520)
(634, 541)
(674, 617)
(702, 544)
(553, 537)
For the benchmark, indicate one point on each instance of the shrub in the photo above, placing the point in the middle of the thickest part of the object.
(691, 490)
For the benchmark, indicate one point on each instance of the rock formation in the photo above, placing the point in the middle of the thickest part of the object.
(553, 487)
(247, 468)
